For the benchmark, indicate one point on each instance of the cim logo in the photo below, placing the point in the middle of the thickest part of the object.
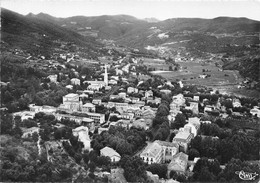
(246, 175)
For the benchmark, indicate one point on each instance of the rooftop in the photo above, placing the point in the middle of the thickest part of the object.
(151, 150)
(70, 95)
(182, 135)
(107, 151)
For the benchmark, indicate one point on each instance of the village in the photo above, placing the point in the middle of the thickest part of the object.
(124, 97)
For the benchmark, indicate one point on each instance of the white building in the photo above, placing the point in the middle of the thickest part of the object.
(88, 107)
(132, 90)
(71, 102)
(53, 78)
(75, 81)
(153, 153)
(45, 109)
(111, 153)
(255, 111)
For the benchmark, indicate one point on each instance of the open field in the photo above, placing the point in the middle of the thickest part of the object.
(190, 73)
(157, 64)
(225, 81)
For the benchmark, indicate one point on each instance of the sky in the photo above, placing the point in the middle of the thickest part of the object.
(160, 9)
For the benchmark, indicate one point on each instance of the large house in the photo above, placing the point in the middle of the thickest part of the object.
(183, 138)
(159, 152)
(111, 153)
(179, 163)
(88, 107)
(45, 109)
(169, 149)
(71, 102)
(153, 153)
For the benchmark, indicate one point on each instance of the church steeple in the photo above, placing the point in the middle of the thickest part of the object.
(105, 75)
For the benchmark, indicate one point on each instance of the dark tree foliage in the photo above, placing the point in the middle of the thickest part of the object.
(179, 121)
(159, 169)
(134, 169)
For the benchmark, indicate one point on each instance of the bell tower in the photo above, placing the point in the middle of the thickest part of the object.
(106, 76)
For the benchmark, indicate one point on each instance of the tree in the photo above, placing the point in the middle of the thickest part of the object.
(6, 122)
(159, 169)
(35, 136)
(85, 157)
(206, 176)
(193, 153)
(103, 161)
(78, 157)
(179, 121)
(92, 166)
(134, 169)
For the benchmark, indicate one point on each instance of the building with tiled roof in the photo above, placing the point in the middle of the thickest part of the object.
(179, 163)
(169, 149)
(111, 153)
(153, 153)
(183, 138)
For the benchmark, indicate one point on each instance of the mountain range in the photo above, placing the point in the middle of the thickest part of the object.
(224, 35)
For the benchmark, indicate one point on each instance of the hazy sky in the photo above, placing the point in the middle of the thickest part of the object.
(160, 9)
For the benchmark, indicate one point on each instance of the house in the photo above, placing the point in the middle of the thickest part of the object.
(115, 78)
(71, 102)
(194, 107)
(88, 107)
(134, 99)
(183, 138)
(179, 163)
(83, 95)
(165, 91)
(148, 93)
(132, 90)
(97, 117)
(82, 134)
(194, 128)
(178, 100)
(112, 82)
(203, 76)
(25, 114)
(45, 109)
(208, 108)
(111, 153)
(119, 72)
(127, 116)
(69, 87)
(140, 123)
(153, 153)
(236, 103)
(169, 149)
(122, 95)
(113, 97)
(100, 130)
(148, 114)
(27, 132)
(97, 101)
(255, 111)
(53, 78)
(75, 81)
(196, 98)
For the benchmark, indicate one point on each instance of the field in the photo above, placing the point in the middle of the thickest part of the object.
(225, 81)
(156, 64)
(190, 73)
